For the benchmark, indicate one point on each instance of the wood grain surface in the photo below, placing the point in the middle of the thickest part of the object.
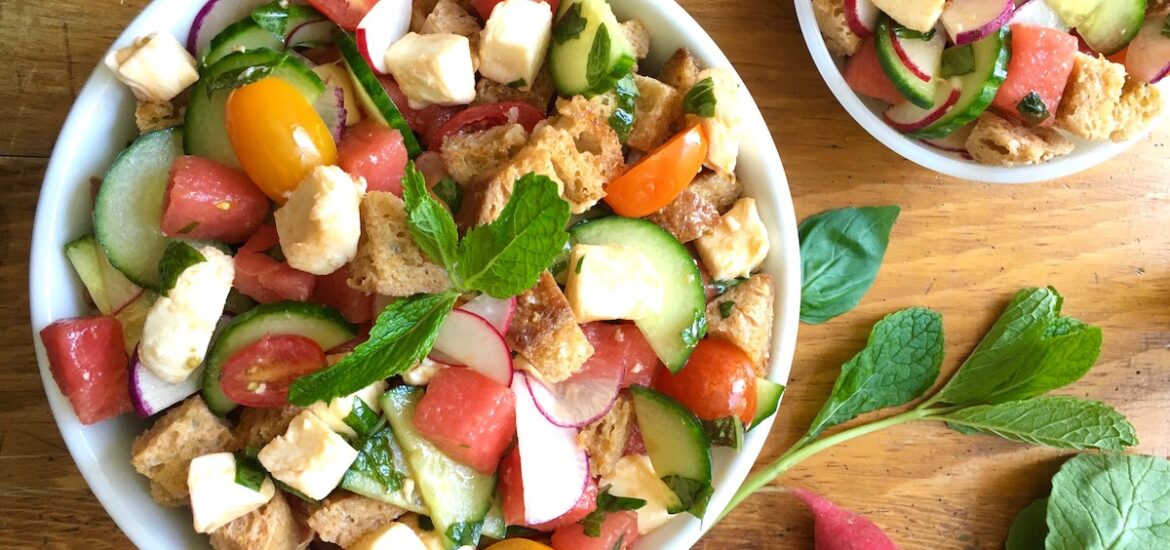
(1102, 238)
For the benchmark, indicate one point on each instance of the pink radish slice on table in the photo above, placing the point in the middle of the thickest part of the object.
(862, 16)
(922, 57)
(311, 34)
(331, 107)
(496, 311)
(839, 529)
(385, 23)
(583, 397)
(1038, 13)
(907, 117)
(1148, 59)
(468, 339)
(553, 468)
(150, 395)
(214, 17)
(970, 21)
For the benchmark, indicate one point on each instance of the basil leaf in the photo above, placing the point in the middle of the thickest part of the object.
(1110, 501)
(841, 252)
(725, 432)
(430, 223)
(570, 25)
(1029, 528)
(900, 362)
(403, 334)
(450, 192)
(606, 504)
(464, 533)
(362, 418)
(622, 119)
(176, 258)
(700, 99)
(597, 64)
(958, 61)
(693, 495)
(249, 472)
(725, 309)
(1033, 109)
(379, 466)
(1061, 422)
(505, 257)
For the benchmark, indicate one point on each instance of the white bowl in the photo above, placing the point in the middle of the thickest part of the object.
(101, 123)
(868, 113)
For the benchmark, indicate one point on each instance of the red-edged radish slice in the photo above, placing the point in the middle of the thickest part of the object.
(907, 117)
(970, 21)
(922, 57)
(331, 107)
(1038, 13)
(1148, 59)
(385, 23)
(311, 34)
(954, 143)
(150, 395)
(583, 397)
(496, 311)
(214, 17)
(468, 339)
(553, 468)
(862, 16)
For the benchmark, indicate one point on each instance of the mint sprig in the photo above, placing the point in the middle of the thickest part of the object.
(430, 223)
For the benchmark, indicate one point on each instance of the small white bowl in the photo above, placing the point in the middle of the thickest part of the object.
(101, 123)
(868, 113)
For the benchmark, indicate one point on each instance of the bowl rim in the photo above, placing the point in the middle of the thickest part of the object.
(62, 181)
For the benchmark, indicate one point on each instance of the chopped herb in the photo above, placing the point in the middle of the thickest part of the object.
(725, 432)
(580, 261)
(518, 83)
(696, 330)
(725, 309)
(607, 503)
(464, 533)
(1033, 109)
(274, 17)
(235, 78)
(1166, 27)
(597, 64)
(276, 253)
(911, 34)
(362, 418)
(622, 119)
(177, 257)
(700, 99)
(379, 463)
(570, 25)
(249, 472)
(721, 287)
(189, 228)
(450, 192)
(425, 523)
(286, 488)
(693, 495)
(958, 61)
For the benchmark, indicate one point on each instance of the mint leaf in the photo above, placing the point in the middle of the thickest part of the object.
(403, 334)
(464, 533)
(597, 64)
(505, 257)
(362, 419)
(570, 25)
(622, 119)
(900, 362)
(249, 472)
(430, 223)
(450, 192)
(700, 99)
(1110, 501)
(380, 466)
(1029, 528)
(840, 254)
(1061, 422)
(176, 258)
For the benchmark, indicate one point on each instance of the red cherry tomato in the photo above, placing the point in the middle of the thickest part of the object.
(660, 176)
(346, 13)
(258, 375)
(484, 7)
(718, 381)
(482, 117)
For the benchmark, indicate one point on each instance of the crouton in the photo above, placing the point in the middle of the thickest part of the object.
(344, 517)
(545, 332)
(483, 203)
(421, 9)
(151, 116)
(258, 426)
(687, 217)
(164, 452)
(1140, 105)
(388, 261)
(538, 95)
(659, 105)
(997, 141)
(638, 37)
(447, 17)
(1091, 98)
(840, 39)
(605, 440)
(270, 527)
(681, 70)
(472, 157)
(721, 190)
(748, 321)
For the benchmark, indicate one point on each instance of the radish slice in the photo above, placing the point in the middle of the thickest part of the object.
(862, 16)
(1148, 59)
(214, 17)
(583, 397)
(922, 57)
(970, 21)
(553, 468)
(496, 311)
(467, 339)
(150, 395)
(386, 22)
(331, 107)
(1038, 13)
(311, 34)
(907, 117)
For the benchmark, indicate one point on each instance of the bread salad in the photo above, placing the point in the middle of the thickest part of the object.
(1005, 82)
(423, 275)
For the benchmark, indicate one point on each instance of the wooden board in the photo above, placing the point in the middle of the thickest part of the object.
(1102, 238)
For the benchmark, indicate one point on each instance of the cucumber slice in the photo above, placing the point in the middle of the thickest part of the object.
(1107, 26)
(678, 449)
(767, 400)
(322, 324)
(83, 253)
(240, 36)
(458, 496)
(978, 88)
(380, 472)
(205, 133)
(894, 53)
(128, 210)
(375, 101)
(589, 51)
(132, 317)
(674, 331)
(493, 523)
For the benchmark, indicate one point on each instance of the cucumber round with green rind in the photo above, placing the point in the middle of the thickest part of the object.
(205, 133)
(593, 60)
(675, 330)
(1107, 26)
(979, 87)
(677, 445)
(242, 35)
(83, 255)
(911, 87)
(322, 324)
(767, 400)
(128, 211)
(373, 97)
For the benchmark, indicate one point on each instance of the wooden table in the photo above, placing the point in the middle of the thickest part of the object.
(1102, 238)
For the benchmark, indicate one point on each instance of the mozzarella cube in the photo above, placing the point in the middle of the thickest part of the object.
(433, 69)
(333, 74)
(724, 131)
(320, 224)
(634, 477)
(309, 457)
(179, 326)
(422, 373)
(216, 498)
(919, 15)
(156, 67)
(611, 282)
(737, 245)
(392, 536)
(338, 409)
(514, 41)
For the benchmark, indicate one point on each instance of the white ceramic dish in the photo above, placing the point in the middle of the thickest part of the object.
(868, 113)
(101, 123)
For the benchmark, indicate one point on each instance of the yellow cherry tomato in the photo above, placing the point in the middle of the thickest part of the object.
(277, 135)
(518, 544)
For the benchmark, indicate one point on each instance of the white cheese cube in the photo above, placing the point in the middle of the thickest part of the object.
(320, 224)
(514, 42)
(309, 457)
(156, 67)
(724, 131)
(738, 245)
(392, 536)
(422, 373)
(919, 15)
(216, 498)
(634, 477)
(611, 282)
(179, 326)
(433, 69)
(338, 409)
(333, 74)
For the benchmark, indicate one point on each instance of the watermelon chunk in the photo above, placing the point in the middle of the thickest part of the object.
(264, 279)
(207, 200)
(376, 153)
(624, 344)
(467, 416)
(619, 531)
(512, 497)
(89, 363)
(1042, 59)
(864, 74)
(334, 291)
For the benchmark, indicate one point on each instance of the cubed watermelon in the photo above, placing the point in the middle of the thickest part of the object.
(619, 531)
(624, 345)
(88, 361)
(334, 291)
(376, 153)
(264, 279)
(467, 416)
(864, 74)
(207, 200)
(1042, 59)
(511, 489)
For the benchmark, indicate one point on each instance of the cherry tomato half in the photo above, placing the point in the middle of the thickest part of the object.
(660, 176)
(346, 13)
(482, 117)
(259, 374)
(718, 381)
(277, 135)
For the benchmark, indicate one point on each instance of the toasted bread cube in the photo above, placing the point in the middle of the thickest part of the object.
(997, 141)
(388, 261)
(1091, 98)
(1141, 104)
(164, 452)
(721, 190)
(258, 426)
(696, 210)
(447, 17)
(538, 95)
(151, 116)
(475, 156)
(605, 439)
(748, 323)
(680, 71)
(840, 39)
(271, 527)
(485, 201)
(659, 105)
(546, 333)
(638, 37)
(344, 518)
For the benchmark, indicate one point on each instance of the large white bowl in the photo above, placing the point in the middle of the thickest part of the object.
(868, 113)
(101, 123)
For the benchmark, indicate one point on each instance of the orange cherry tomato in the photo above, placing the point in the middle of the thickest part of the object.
(277, 135)
(660, 176)
(518, 544)
(718, 381)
